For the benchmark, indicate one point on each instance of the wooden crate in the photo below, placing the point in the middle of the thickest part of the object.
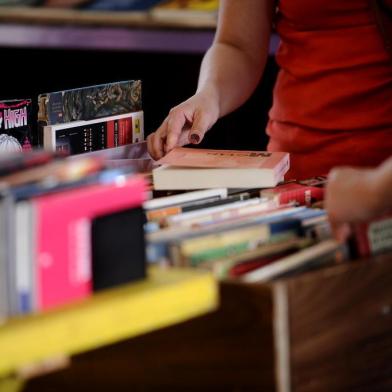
(328, 330)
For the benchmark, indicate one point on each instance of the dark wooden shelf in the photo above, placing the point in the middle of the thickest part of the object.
(37, 27)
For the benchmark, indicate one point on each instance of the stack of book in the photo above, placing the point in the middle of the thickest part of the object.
(249, 224)
(273, 230)
(91, 118)
(242, 234)
(66, 229)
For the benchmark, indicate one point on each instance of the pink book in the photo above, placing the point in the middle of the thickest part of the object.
(63, 231)
(191, 157)
(189, 168)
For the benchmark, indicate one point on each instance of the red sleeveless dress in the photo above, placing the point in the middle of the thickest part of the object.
(333, 96)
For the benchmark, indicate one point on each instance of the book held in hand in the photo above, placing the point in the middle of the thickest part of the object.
(189, 168)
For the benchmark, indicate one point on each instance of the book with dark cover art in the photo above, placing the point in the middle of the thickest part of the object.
(15, 125)
(89, 103)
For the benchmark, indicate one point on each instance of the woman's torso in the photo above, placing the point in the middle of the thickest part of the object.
(333, 97)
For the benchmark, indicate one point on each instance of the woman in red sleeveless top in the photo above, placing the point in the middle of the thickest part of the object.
(333, 96)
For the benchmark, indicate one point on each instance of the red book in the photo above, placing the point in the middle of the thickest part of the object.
(293, 192)
(110, 134)
(63, 236)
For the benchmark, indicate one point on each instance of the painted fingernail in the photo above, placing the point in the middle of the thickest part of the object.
(195, 138)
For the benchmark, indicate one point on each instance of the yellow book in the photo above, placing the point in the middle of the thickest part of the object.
(189, 5)
(192, 12)
(166, 297)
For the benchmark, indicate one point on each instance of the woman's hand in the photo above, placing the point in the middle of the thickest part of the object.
(352, 195)
(230, 72)
(186, 123)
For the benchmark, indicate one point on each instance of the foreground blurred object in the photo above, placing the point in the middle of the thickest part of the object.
(372, 189)
(20, 2)
(65, 3)
(66, 225)
(122, 5)
(359, 204)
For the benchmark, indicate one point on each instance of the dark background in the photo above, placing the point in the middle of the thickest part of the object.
(168, 79)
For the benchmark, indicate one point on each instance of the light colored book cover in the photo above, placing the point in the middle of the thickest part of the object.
(192, 157)
(86, 136)
(189, 168)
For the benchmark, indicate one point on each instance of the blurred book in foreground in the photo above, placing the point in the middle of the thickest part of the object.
(186, 10)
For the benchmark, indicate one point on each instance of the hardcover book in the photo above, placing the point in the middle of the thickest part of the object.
(189, 168)
(15, 126)
(89, 103)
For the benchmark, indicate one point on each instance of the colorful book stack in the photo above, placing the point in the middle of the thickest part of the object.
(91, 118)
(68, 227)
(255, 235)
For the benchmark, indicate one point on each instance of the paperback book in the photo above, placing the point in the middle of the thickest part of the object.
(15, 126)
(89, 103)
(189, 168)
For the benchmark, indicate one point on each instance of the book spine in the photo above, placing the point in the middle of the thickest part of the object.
(188, 197)
(90, 103)
(178, 209)
(110, 134)
(304, 197)
(138, 127)
(4, 292)
(23, 256)
(282, 168)
(298, 194)
(362, 240)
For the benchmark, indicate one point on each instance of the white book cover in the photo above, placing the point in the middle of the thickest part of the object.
(186, 197)
(190, 168)
(102, 133)
(24, 256)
